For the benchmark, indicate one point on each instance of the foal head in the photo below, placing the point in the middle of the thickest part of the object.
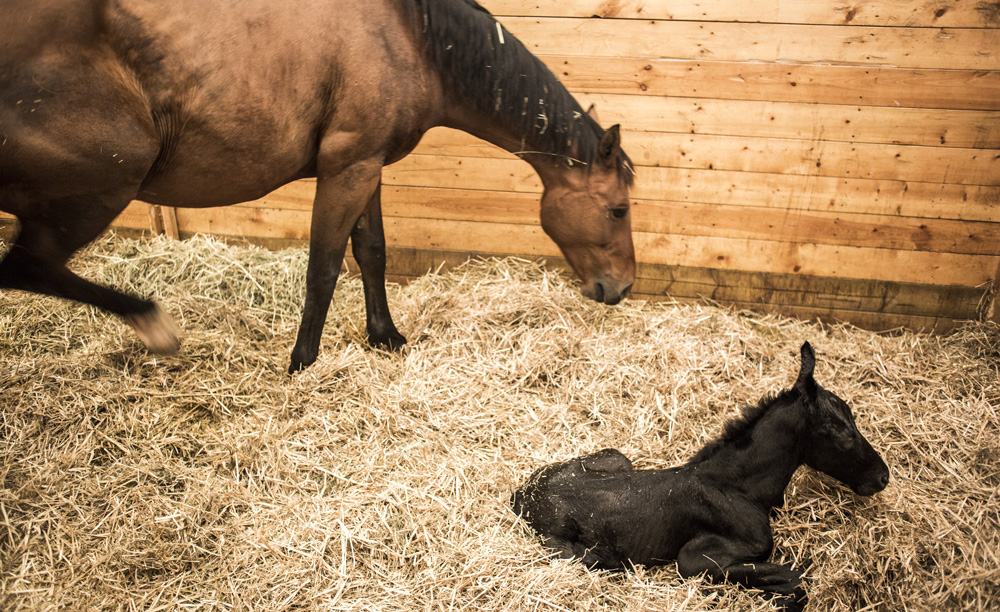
(833, 445)
(585, 210)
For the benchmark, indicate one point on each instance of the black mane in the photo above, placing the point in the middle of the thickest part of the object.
(739, 427)
(487, 67)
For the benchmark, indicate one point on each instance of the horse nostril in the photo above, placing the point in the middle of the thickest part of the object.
(884, 481)
(626, 291)
(598, 292)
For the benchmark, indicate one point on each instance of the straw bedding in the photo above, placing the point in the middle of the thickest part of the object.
(372, 481)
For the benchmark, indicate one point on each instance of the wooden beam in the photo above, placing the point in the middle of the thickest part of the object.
(911, 13)
(903, 47)
(155, 220)
(170, 225)
(815, 157)
(780, 82)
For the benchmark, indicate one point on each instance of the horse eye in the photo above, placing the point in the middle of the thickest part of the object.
(619, 213)
(844, 442)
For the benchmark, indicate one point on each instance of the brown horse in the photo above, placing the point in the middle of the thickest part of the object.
(194, 103)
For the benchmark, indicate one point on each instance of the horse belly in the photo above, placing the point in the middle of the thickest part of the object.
(200, 173)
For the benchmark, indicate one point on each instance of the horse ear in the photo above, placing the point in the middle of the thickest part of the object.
(610, 146)
(805, 381)
(592, 111)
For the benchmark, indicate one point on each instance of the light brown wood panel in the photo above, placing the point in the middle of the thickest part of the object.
(135, 216)
(744, 222)
(701, 251)
(266, 219)
(792, 192)
(961, 48)
(777, 155)
(782, 225)
(816, 259)
(727, 286)
(245, 221)
(461, 204)
(781, 82)
(891, 305)
(913, 13)
(876, 125)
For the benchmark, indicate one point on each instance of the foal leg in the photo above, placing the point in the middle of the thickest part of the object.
(729, 561)
(339, 202)
(368, 246)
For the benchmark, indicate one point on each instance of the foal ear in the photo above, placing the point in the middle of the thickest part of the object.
(805, 380)
(610, 146)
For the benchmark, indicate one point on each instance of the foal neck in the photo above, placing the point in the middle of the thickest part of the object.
(759, 451)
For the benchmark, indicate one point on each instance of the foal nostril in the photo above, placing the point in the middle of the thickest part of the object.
(884, 481)
(626, 291)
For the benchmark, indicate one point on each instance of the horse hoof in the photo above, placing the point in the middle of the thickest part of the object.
(392, 342)
(156, 330)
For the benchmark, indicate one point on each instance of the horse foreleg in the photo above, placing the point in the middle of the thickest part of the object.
(368, 246)
(339, 201)
(726, 561)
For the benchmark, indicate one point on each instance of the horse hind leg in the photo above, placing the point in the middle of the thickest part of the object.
(368, 247)
(36, 262)
(75, 159)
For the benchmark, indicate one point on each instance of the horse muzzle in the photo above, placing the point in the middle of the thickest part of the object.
(876, 480)
(606, 292)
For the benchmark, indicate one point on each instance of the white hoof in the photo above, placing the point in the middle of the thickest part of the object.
(156, 330)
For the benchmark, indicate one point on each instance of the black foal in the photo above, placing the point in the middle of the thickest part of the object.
(710, 514)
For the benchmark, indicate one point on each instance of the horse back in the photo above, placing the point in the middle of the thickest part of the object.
(234, 98)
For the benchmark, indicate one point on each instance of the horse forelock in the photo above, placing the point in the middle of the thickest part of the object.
(483, 65)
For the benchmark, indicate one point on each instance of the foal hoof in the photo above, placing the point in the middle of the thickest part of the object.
(156, 330)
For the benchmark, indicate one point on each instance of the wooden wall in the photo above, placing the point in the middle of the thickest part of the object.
(821, 159)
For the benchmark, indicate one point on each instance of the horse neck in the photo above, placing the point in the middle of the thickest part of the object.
(495, 89)
(550, 167)
(762, 469)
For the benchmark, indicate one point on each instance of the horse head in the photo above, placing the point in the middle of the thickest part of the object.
(834, 445)
(586, 212)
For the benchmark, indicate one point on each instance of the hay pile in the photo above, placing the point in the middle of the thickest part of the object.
(373, 481)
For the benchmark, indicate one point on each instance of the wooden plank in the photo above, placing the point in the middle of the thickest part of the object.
(958, 48)
(738, 222)
(245, 221)
(815, 193)
(780, 82)
(155, 220)
(170, 224)
(772, 155)
(876, 125)
(727, 286)
(911, 13)
(782, 225)
(711, 252)
(135, 216)
(816, 259)
(656, 217)
(892, 306)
